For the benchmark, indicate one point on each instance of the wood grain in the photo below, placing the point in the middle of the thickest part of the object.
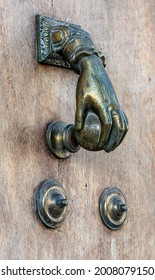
(31, 95)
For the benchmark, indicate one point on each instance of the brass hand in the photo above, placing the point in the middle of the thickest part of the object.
(95, 93)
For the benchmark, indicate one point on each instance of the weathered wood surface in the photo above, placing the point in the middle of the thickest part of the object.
(31, 95)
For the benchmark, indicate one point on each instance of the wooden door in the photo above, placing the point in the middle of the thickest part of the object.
(31, 95)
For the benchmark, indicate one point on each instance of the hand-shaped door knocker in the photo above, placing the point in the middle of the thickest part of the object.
(100, 124)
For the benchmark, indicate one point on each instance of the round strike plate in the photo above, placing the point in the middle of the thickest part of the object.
(113, 208)
(60, 140)
(51, 203)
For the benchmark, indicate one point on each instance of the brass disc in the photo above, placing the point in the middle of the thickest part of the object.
(51, 204)
(113, 208)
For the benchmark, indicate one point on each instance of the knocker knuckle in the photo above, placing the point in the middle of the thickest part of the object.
(122, 129)
(108, 124)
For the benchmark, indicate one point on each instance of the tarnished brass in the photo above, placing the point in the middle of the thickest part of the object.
(113, 208)
(100, 123)
(51, 203)
(60, 139)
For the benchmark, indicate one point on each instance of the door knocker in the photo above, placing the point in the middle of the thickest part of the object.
(100, 123)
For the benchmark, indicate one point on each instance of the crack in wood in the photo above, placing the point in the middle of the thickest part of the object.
(52, 2)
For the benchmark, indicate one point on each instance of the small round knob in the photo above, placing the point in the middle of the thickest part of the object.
(88, 137)
(51, 203)
(113, 207)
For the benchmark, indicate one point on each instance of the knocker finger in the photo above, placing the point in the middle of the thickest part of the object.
(106, 125)
(118, 131)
